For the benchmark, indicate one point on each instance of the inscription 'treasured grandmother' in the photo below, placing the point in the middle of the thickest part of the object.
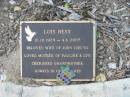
(45, 46)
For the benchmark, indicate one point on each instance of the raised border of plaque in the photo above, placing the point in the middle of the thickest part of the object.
(94, 47)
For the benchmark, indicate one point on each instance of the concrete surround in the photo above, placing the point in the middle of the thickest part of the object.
(117, 88)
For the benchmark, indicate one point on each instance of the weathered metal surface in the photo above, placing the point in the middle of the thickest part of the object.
(47, 45)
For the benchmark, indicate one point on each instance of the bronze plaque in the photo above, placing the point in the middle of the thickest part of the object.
(45, 45)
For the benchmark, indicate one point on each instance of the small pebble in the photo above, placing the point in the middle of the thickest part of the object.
(12, 2)
(49, 83)
(17, 8)
(11, 15)
(74, 16)
(112, 65)
(2, 77)
(128, 29)
(68, 1)
(30, 1)
(110, 74)
(101, 77)
(128, 64)
(128, 3)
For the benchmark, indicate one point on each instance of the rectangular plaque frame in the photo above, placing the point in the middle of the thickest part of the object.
(94, 46)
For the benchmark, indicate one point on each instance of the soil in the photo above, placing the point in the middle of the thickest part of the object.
(113, 33)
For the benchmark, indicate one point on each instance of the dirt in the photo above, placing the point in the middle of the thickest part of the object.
(113, 33)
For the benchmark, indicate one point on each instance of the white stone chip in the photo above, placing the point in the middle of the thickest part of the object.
(2, 77)
(12, 2)
(74, 16)
(112, 65)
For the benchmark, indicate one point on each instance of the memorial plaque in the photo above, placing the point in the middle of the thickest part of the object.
(46, 45)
